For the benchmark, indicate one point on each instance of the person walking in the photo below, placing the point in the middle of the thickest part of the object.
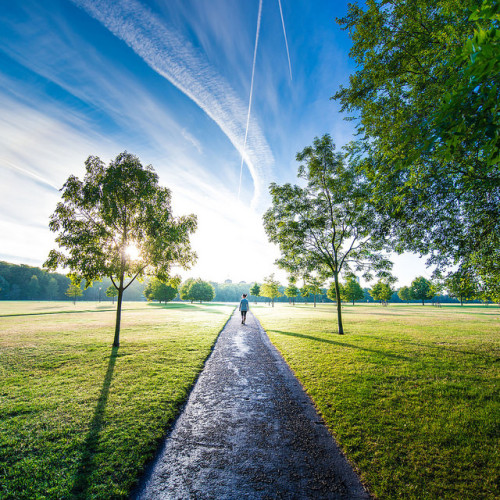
(244, 306)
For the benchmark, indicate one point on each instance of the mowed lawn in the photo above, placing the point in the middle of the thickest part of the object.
(80, 419)
(410, 392)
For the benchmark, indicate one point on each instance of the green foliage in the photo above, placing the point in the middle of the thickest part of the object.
(327, 226)
(331, 293)
(470, 114)
(255, 290)
(432, 169)
(111, 291)
(113, 210)
(160, 291)
(461, 285)
(381, 292)
(270, 288)
(200, 291)
(292, 291)
(34, 287)
(351, 290)
(404, 293)
(73, 291)
(412, 397)
(421, 289)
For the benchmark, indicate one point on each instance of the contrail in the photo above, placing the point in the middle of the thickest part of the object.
(286, 41)
(172, 56)
(251, 94)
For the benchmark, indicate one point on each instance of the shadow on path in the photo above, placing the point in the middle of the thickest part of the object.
(87, 463)
(343, 344)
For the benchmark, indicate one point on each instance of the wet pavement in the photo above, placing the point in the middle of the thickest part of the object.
(249, 431)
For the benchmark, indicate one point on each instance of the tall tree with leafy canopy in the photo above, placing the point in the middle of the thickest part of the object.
(326, 226)
(404, 293)
(73, 291)
(314, 283)
(160, 291)
(421, 289)
(255, 290)
(270, 288)
(118, 222)
(200, 290)
(112, 292)
(381, 291)
(351, 290)
(425, 97)
(462, 285)
(291, 291)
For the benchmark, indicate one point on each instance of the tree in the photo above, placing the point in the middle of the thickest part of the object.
(404, 293)
(74, 291)
(184, 289)
(431, 167)
(34, 287)
(201, 291)
(111, 291)
(52, 289)
(160, 291)
(421, 289)
(270, 288)
(471, 113)
(461, 285)
(118, 223)
(255, 290)
(291, 291)
(314, 285)
(351, 290)
(381, 291)
(331, 293)
(326, 226)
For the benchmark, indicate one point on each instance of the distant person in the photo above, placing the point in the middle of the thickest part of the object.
(244, 306)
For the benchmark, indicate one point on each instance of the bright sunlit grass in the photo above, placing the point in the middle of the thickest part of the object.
(79, 419)
(410, 392)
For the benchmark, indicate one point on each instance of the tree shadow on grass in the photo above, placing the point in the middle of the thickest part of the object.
(87, 463)
(344, 344)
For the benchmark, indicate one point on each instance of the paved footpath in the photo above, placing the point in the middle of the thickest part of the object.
(249, 431)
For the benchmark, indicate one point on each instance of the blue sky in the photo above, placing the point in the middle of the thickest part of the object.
(170, 82)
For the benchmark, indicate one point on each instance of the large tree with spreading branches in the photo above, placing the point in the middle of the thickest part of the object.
(118, 222)
(328, 225)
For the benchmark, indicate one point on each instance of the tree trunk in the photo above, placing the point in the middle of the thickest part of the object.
(272, 302)
(339, 304)
(314, 300)
(423, 303)
(116, 341)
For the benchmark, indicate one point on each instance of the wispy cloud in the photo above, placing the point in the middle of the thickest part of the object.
(172, 56)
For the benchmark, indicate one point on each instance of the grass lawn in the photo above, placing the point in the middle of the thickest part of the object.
(410, 392)
(80, 419)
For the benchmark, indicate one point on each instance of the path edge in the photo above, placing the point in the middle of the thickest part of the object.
(348, 470)
(142, 478)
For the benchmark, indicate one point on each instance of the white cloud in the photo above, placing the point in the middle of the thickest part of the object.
(173, 57)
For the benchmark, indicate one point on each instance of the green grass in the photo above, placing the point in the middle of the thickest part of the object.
(79, 419)
(411, 393)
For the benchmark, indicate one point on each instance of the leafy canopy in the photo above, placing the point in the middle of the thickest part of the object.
(425, 99)
(112, 211)
(118, 222)
(328, 225)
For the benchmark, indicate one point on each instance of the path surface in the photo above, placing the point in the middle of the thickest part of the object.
(249, 431)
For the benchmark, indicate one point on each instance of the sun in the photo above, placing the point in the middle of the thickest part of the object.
(132, 251)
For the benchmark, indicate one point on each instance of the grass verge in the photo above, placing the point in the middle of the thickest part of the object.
(410, 393)
(80, 419)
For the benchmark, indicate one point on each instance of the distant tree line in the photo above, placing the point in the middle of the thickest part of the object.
(23, 282)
